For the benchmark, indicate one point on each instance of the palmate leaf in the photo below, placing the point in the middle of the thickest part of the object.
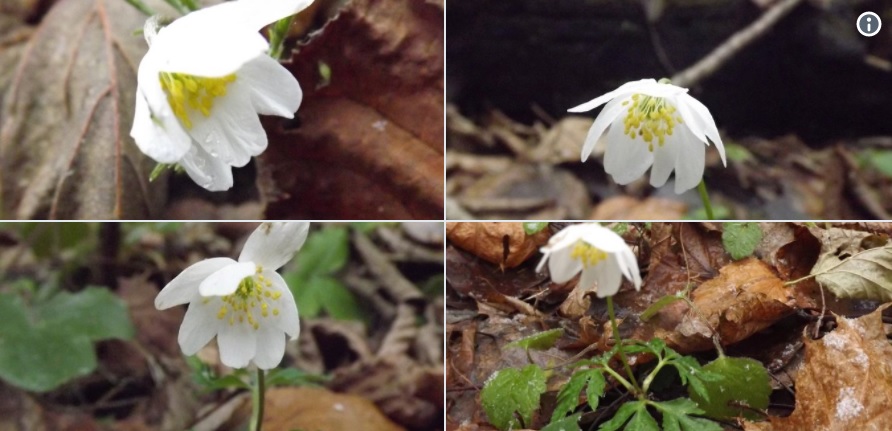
(745, 382)
(568, 397)
(741, 239)
(677, 416)
(512, 390)
(569, 423)
(641, 420)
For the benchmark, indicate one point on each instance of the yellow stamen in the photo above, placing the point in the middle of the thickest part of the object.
(588, 254)
(650, 117)
(187, 93)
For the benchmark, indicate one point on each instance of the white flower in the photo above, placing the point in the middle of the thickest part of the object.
(202, 83)
(652, 123)
(601, 255)
(245, 304)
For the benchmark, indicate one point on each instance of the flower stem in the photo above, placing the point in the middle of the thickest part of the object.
(258, 399)
(619, 347)
(277, 34)
(704, 196)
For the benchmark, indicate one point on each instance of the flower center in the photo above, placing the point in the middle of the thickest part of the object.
(588, 254)
(192, 93)
(252, 297)
(650, 117)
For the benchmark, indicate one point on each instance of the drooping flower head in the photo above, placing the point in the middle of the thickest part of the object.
(652, 123)
(245, 304)
(202, 83)
(599, 253)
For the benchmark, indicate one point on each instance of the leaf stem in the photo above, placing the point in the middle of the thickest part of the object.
(704, 196)
(619, 348)
(258, 401)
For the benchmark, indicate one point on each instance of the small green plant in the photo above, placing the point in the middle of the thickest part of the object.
(534, 227)
(741, 238)
(312, 278)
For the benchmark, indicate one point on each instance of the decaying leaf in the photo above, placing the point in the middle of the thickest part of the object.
(630, 208)
(368, 142)
(850, 268)
(504, 244)
(65, 150)
(845, 383)
(319, 409)
(745, 298)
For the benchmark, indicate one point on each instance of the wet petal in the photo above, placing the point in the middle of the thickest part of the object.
(232, 133)
(207, 171)
(274, 90)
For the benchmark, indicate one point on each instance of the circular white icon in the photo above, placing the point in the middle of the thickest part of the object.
(869, 24)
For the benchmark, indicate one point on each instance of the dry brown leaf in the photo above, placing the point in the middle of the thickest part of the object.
(845, 383)
(65, 150)
(745, 298)
(320, 409)
(370, 142)
(630, 208)
(504, 244)
(562, 143)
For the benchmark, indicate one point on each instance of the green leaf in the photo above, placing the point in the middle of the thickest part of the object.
(677, 416)
(881, 160)
(620, 228)
(721, 212)
(48, 240)
(658, 305)
(568, 396)
(741, 238)
(208, 379)
(737, 152)
(513, 390)
(324, 253)
(293, 377)
(569, 423)
(744, 382)
(626, 411)
(539, 341)
(534, 227)
(324, 293)
(50, 343)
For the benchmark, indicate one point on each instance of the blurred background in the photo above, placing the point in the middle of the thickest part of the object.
(804, 108)
(82, 346)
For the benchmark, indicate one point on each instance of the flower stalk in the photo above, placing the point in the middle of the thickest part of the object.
(258, 396)
(704, 197)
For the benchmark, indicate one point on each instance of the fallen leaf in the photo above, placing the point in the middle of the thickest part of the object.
(320, 409)
(845, 382)
(629, 208)
(504, 244)
(369, 144)
(65, 150)
(562, 143)
(745, 298)
(850, 270)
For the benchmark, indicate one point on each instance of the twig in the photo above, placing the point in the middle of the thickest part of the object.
(720, 55)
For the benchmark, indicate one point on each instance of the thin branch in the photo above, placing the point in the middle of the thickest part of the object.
(724, 52)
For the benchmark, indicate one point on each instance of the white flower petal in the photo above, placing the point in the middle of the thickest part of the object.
(611, 112)
(199, 326)
(274, 90)
(603, 238)
(656, 89)
(232, 133)
(589, 279)
(225, 281)
(156, 130)
(288, 319)
(608, 276)
(626, 89)
(207, 171)
(238, 344)
(270, 347)
(692, 121)
(562, 267)
(184, 287)
(273, 244)
(708, 123)
(629, 266)
(690, 163)
(626, 159)
(665, 158)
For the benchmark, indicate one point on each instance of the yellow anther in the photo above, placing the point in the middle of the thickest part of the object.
(231, 320)
(588, 254)
(194, 92)
(275, 311)
(648, 117)
(276, 295)
(222, 312)
(266, 294)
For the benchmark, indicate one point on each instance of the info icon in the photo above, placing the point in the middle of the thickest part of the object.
(869, 24)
